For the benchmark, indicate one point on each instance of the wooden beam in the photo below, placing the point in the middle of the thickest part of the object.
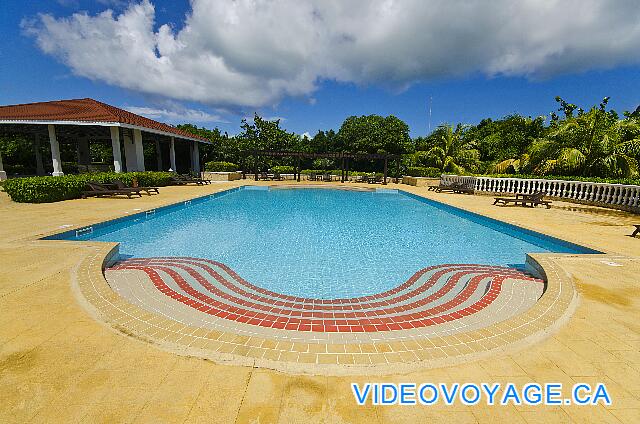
(384, 181)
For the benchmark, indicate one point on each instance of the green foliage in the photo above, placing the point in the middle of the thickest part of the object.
(53, 189)
(221, 147)
(419, 171)
(283, 169)
(264, 134)
(452, 152)
(323, 163)
(324, 142)
(317, 171)
(214, 166)
(44, 189)
(374, 134)
(18, 155)
(591, 143)
(505, 138)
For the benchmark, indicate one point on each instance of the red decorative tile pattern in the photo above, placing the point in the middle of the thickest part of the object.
(431, 296)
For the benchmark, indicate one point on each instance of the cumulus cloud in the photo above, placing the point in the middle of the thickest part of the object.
(176, 114)
(255, 52)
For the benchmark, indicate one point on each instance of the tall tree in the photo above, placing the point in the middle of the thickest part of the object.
(452, 152)
(374, 134)
(591, 143)
(505, 138)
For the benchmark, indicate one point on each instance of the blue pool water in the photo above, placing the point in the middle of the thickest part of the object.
(324, 243)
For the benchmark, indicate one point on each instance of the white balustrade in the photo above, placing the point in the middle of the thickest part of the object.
(619, 196)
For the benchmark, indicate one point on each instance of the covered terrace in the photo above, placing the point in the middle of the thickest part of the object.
(82, 122)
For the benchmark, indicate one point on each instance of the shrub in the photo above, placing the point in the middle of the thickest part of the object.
(54, 189)
(282, 169)
(214, 166)
(44, 189)
(418, 171)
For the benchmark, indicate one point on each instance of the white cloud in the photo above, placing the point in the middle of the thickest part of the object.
(176, 114)
(255, 52)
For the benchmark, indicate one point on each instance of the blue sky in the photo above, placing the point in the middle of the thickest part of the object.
(299, 68)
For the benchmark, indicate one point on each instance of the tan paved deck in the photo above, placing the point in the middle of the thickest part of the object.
(57, 364)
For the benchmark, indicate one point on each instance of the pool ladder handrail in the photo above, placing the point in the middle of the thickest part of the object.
(85, 230)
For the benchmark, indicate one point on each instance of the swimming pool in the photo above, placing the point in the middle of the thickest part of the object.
(322, 243)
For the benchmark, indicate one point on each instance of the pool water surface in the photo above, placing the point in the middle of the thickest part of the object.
(325, 243)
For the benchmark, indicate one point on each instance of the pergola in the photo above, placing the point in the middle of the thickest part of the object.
(343, 156)
(82, 121)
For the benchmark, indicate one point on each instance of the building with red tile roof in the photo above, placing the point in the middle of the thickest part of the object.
(87, 120)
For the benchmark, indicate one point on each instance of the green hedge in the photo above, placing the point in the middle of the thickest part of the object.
(283, 169)
(54, 189)
(220, 167)
(419, 171)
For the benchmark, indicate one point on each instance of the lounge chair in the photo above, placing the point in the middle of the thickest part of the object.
(327, 178)
(453, 187)
(263, 176)
(121, 185)
(188, 179)
(636, 231)
(312, 177)
(525, 200)
(194, 178)
(277, 177)
(100, 190)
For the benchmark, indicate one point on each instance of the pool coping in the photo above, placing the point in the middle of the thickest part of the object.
(546, 317)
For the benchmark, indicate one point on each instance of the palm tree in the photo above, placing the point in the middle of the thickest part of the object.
(593, 143)
(451, 152)
(520, 165)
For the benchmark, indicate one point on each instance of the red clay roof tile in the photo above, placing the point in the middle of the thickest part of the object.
(84, 110)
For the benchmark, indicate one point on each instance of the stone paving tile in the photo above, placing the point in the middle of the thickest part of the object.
(39, 309)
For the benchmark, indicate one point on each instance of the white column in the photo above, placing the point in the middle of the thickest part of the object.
(3, 175)
(55, 152)
(172, 155)
(137, 140)
(115, 147)
(36, 147)
(129, 151)
(195, 158)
